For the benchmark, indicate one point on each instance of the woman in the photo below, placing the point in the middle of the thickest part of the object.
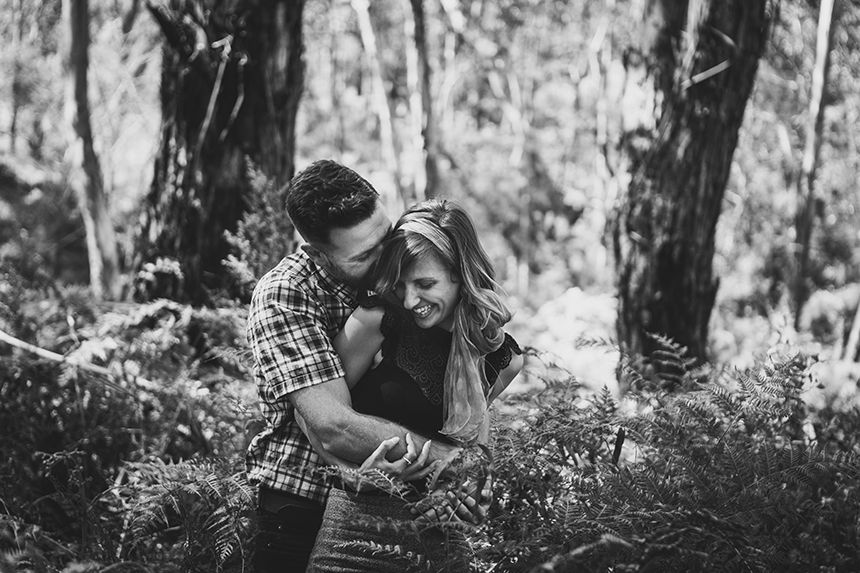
(438, 321)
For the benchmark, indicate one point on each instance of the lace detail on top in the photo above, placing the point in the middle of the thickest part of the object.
(501, 358)
(420, 353)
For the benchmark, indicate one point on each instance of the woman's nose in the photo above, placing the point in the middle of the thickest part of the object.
(410, 299)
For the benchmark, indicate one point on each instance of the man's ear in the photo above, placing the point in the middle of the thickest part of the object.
(315, 254)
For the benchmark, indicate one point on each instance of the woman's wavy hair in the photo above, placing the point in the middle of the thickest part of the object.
(443, 228)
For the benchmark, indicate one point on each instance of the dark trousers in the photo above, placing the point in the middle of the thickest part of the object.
(288, 527)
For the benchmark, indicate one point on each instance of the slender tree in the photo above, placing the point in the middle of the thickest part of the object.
(381, 105)
(17, 46)
(86, 176)
(422, 105)
(807, 196)
(697, 61)
(231, 81)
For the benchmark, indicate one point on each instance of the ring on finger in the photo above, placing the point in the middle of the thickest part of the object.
(407, 460)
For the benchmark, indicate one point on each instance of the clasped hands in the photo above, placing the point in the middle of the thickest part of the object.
(470, 501)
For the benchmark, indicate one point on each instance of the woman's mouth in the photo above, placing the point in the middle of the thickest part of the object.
(423, 311)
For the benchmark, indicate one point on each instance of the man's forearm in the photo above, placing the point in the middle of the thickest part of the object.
(327, 411)
(358, 436)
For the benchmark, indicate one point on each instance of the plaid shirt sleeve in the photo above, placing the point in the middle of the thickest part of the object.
(291, 349)
(289, 330)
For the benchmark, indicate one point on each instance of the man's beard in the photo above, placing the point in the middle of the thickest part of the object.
(360, 283)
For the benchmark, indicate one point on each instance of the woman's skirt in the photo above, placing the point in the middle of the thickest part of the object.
(373, 533)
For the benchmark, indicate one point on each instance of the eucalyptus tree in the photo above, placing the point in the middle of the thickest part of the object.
(695, 63)
(86, 176)
(232, 78)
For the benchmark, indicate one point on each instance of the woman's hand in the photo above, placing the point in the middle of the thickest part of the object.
(412, 466)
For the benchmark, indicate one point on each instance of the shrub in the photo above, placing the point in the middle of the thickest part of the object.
(163, 384)
(727, 475)
(138, 461)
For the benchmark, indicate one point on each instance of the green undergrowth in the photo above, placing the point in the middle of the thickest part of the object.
(137, 465)
(729, 472)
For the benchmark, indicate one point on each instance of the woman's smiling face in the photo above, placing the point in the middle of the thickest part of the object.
(429, 292)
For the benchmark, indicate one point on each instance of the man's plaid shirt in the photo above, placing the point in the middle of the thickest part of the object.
(296, 310)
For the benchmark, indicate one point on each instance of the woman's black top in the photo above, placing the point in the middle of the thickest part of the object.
(407, 386)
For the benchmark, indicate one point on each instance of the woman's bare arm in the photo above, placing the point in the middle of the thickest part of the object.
(359, 341)
(506, 376)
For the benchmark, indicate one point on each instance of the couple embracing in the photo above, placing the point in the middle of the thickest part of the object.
(421, 294)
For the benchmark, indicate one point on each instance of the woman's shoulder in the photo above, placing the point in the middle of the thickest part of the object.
(511, 343)
(382, 312)
(501, 358)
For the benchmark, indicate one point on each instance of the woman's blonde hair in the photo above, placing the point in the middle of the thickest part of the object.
(442, 227)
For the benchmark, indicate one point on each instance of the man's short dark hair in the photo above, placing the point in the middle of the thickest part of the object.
(327, 195)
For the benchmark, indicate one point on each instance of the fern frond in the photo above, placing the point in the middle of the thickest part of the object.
(413, 560)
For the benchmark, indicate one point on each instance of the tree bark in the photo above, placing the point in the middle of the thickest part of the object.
(699, 59)
(428, 129)
(17, 27)
(413, 83)
(807, 196)
(232, 78)
(86, 177)
(130, 17)
(852, 347)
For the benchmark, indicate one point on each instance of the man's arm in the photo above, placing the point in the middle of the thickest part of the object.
(291, 349)
(327, 411)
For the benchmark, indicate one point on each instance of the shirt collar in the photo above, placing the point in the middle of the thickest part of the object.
(332, 284)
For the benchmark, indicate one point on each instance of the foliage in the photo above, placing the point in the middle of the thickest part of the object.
(195, 515)
(263, 237)
(734, 468)
(729, 475)
(85, 452)
(730, 471)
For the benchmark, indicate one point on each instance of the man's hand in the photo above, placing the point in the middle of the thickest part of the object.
(469, 504)
(346, 434)
(472, 501)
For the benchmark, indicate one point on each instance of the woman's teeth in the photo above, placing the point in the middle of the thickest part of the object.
(422, 311)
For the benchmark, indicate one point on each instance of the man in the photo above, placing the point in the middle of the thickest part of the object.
(296, 310)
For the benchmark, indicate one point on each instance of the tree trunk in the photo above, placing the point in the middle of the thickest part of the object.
(231, 82)
(17, 28)
(86, 177)
(428, 130)
(699, 60)
(380, 102)
(413, 83)
(807, 197)
(130, 17)
(852, 347)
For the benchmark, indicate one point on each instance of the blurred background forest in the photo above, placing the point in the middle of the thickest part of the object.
(667, 200)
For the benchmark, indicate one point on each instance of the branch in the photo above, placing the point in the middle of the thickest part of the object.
(124, 564)
(47, 354)
(853, 344)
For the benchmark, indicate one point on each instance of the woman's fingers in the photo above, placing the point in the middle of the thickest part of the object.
(416, 469)
(377, 460)
(411, 454)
